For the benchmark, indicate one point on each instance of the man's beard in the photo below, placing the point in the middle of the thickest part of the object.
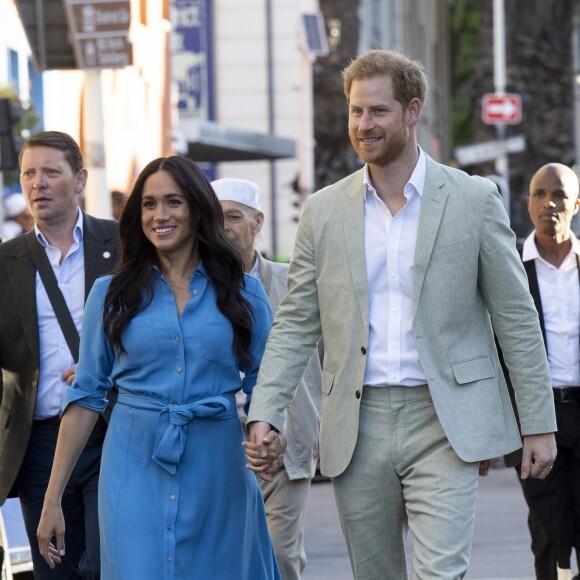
(390, 150)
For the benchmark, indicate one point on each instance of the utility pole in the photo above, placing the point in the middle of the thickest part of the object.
(98, 196)
(499, 81)
(272, 124)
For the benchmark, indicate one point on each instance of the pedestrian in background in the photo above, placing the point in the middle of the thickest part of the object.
(285, 497)
(402, 268)
(18, 219)
(172, 328)
(118, 202)
(551, 257)
(35, 356)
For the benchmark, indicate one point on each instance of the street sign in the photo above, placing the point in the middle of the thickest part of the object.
(101, 33)
(94, 17)
(501, 109)
(490, 150)
(105, 52)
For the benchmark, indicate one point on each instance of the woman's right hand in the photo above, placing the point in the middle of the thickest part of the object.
(51, 525)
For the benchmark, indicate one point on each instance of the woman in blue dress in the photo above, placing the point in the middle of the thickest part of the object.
(178, 329)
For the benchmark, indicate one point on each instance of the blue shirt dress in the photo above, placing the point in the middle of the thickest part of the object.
(175, 498)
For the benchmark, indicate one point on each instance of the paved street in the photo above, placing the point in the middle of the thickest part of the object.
(500, 545)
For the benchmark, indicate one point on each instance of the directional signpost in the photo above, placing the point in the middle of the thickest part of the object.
(503, 109)
(101, 33)
(490, 150)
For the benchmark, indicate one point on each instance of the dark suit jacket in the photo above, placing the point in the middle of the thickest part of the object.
(19, 340)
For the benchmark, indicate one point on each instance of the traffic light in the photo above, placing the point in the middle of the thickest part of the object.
(298, 199)
(8, 149)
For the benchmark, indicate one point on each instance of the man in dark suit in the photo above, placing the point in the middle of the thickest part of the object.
(35, 359)
(551, 257)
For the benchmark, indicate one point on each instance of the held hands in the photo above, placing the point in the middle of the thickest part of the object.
(51, 525)
(539, 454)
(264, 450)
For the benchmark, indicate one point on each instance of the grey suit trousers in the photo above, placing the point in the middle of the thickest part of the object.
(404, 472)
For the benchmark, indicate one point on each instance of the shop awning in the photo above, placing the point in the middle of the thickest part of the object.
(208, 141)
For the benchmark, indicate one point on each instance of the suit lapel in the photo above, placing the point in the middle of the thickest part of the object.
(265, 273)
(432, 206)
(22, 273)
(100, 251)
(352, 216)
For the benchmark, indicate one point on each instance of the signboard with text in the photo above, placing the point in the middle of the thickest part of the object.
(101, 33)
(192, 57)
(489, 150)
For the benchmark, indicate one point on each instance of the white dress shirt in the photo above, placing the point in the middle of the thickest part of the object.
(392, 357)
(560, 295)
(55, 355)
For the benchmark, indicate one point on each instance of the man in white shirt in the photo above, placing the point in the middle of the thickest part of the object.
(403, 267)
(551, 257)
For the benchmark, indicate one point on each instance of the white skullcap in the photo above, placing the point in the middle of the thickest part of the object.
(14, 205)
(238, 190)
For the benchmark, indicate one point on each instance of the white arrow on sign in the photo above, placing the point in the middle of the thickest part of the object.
(504, 109)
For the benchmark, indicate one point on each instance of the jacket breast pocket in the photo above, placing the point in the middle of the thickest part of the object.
(327, 382)
(451, 251)
(473, 369)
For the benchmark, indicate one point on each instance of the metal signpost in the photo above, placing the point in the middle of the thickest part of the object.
(490, 150)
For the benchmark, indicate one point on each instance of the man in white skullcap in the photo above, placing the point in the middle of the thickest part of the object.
(286, 496)
(18, 219)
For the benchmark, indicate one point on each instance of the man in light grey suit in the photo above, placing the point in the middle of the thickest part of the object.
(405, 268)
(286, 496)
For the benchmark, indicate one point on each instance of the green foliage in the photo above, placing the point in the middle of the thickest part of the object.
(28, 120)
(464, 29)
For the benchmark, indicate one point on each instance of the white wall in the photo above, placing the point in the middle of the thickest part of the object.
(242, 97)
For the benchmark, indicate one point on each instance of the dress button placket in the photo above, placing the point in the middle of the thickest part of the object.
(170, 536)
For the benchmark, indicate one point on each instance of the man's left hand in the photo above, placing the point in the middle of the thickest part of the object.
(539, 454)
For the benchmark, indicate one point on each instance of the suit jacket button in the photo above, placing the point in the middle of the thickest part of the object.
(357, 394)
(363, 349)
(28, 427)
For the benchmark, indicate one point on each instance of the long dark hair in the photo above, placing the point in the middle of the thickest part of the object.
(131, 288)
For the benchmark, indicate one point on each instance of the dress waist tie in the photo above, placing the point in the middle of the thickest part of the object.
(171, 427)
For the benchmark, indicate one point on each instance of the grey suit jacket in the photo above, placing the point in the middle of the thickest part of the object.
(19, 340)
(467, 276)
(303, 420)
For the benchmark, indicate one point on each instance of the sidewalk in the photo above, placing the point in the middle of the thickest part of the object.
(501, 543)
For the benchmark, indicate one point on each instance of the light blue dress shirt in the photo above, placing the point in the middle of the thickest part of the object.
(55, 355)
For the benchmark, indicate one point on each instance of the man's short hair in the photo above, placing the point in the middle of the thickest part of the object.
(408, 76)
(57, 140)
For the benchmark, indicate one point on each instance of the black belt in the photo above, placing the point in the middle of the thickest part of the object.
(53, 423)
(566, 394)
(50, 423)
